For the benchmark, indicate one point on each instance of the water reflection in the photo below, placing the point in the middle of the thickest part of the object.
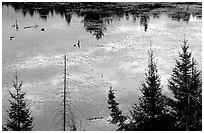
(94, 24)
(144, 21)
(180, 16)
(68, 17)
(156, 15)
(98, 15)
(15, 25)
(44, 13)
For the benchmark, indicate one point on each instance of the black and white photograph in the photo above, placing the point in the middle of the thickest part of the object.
(101, 66)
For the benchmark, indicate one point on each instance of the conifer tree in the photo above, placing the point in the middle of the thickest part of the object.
(196, 97)
(151, 113)
(185, 83)
(117, 117)
(19, 116)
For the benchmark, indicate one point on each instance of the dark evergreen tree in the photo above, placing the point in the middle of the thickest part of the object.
(196, 98)
(117, 117)
(19, 117)
(152, 113)
(4, 128)
(185, 83)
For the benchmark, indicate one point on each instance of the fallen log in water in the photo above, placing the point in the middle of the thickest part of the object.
(94, 118)
(31, 26)
(11, 37)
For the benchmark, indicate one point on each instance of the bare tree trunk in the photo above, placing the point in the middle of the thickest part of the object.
(65, 91)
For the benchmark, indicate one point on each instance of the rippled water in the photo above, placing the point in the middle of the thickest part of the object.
(113, 51)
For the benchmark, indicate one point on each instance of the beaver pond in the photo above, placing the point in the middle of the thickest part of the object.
(105, 43)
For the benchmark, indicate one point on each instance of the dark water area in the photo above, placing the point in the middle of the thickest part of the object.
(96, 16)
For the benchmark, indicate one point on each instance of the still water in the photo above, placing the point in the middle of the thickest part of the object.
(113, 51)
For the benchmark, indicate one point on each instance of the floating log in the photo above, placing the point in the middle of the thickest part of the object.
(99, 45)
(94, 118)
(11, 37)
(31, 26)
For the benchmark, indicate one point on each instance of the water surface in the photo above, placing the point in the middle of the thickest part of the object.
(113, 51)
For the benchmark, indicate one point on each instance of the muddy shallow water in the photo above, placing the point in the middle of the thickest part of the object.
(118, 58)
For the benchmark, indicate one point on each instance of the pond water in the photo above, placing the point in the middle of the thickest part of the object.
(113, 51)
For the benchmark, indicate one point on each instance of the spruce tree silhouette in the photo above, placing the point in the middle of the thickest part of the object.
(151, 114)
(19, 116)
(185, 83)
(117, 117)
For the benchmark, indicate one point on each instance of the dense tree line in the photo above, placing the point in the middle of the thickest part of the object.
(157, 112)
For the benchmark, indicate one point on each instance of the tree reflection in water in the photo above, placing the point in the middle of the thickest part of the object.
(93, 23)
(68, 17)
(180, 16)
(144, 21)
(98, 15)
(44, 13)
